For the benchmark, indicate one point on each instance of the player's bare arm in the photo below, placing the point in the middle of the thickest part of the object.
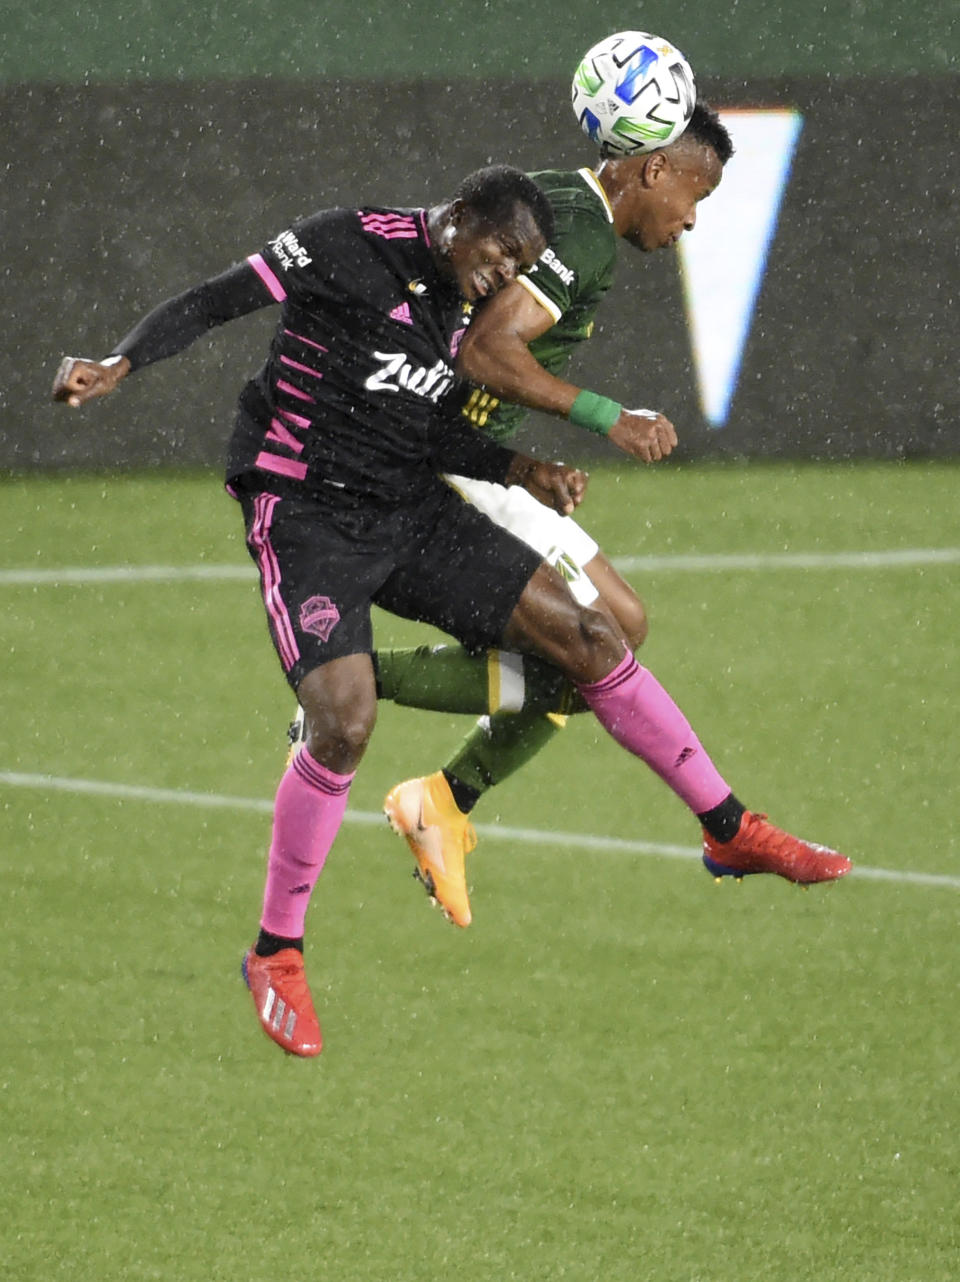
(495, 354)
(79, 380)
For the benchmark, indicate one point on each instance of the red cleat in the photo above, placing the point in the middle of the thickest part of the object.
(760, 847)
(282, 998)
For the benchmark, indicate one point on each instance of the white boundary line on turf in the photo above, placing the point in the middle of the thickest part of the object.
(720, 562)
(891, 559)
(502, 832)
(78, 574)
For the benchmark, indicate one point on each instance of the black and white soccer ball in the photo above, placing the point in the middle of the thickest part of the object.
(633, 93)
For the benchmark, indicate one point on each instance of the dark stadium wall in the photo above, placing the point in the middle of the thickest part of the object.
(139, 158)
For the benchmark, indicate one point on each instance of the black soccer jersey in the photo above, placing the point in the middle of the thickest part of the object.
(361, 356)
(348, 404)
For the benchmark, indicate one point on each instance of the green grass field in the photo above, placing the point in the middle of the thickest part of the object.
(621, 1071)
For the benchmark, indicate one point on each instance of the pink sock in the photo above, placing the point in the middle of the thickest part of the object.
(632, 705)
(307, 815)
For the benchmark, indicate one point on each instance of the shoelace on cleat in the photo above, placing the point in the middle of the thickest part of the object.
(793, 853)
(768, 836)
(293, 977)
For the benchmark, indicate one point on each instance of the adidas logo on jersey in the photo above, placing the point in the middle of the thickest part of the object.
(402, 313)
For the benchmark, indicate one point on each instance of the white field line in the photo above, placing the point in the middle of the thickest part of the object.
(719, 562)
(490, 832)
(71, 575)
(894, 558)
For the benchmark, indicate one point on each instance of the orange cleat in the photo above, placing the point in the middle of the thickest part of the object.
(439, 836)
(282, 998)
(760, 847)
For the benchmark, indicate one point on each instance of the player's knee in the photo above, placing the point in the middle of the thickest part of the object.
(596, 644)
(340, 711)
(356, 725)
(338, 737)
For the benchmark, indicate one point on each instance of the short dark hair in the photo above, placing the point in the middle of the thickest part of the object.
(494, 192)
(706, 128)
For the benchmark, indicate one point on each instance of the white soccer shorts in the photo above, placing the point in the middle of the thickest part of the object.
(559, 539)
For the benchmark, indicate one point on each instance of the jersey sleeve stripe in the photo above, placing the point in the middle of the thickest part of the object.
(277, 292)
(389, 226)
(546, 303)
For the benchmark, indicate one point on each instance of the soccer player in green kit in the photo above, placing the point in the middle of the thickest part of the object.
(515, 354)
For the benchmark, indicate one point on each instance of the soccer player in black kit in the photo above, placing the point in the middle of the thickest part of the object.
(335, 458)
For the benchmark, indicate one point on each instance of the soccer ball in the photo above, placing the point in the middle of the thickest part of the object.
(633, 93)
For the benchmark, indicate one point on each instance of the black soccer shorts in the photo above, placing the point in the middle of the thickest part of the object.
(440, 562)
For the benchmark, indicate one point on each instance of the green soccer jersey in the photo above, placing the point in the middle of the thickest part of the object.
(569, 280)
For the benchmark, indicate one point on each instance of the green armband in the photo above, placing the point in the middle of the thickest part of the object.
(595, 413)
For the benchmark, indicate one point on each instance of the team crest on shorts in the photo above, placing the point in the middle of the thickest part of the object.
(319, 616)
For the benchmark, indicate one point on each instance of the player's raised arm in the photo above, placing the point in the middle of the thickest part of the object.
(495, 354)
(168, 329)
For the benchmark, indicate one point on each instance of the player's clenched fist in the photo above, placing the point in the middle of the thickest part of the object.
(553, 484)
(644, 434)
(79, 379)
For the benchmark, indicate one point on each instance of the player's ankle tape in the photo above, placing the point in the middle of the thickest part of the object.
(594, 412)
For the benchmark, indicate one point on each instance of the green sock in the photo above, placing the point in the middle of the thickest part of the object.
(447, 678)
(499, 745)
